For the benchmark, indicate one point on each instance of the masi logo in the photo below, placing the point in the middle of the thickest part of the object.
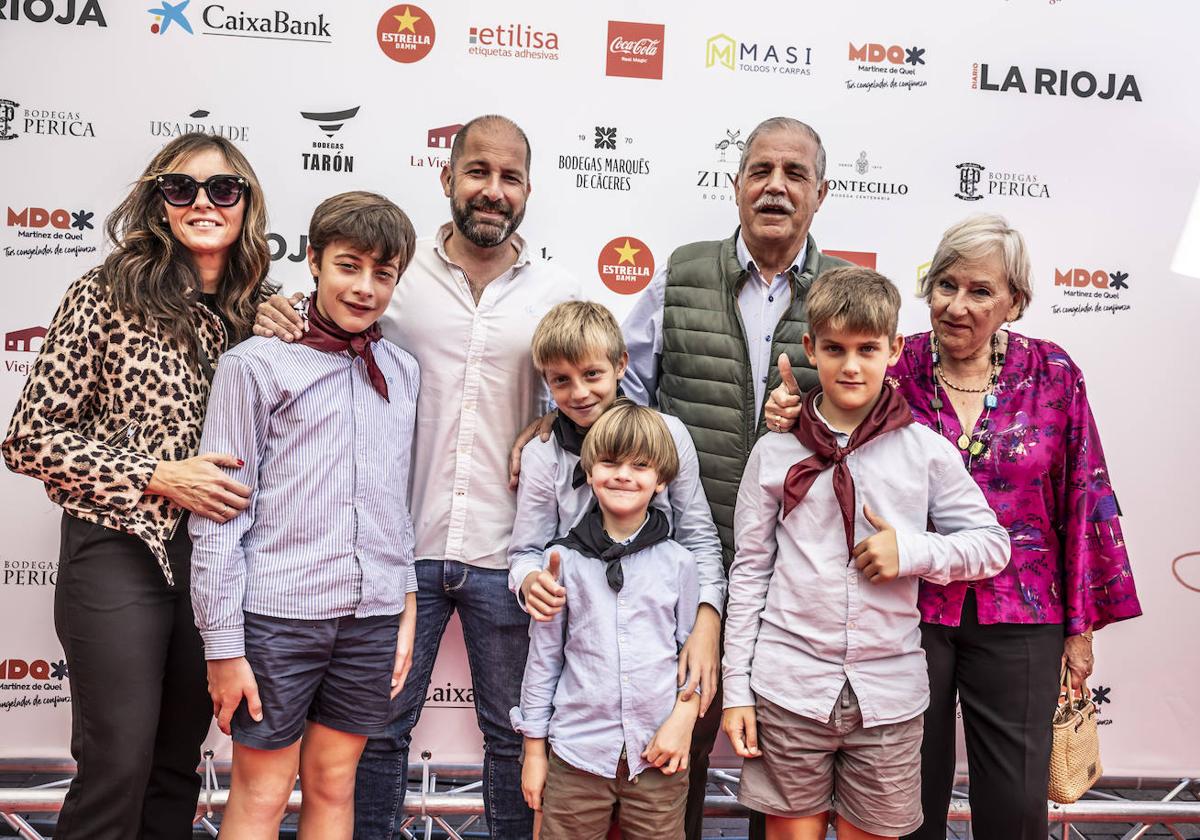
(1057, 83)
(635, 50)
(329, 156)
(41, 11)
(721, 50)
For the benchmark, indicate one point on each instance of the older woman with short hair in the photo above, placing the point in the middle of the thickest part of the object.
(1017, 409)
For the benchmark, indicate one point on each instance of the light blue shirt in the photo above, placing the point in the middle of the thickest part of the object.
(548, 507)
(328, 532)
(762, 304)
(601, 676)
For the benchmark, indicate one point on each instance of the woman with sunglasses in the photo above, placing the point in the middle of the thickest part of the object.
(110, 421)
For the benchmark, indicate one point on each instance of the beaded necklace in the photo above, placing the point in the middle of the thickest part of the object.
(974, 444)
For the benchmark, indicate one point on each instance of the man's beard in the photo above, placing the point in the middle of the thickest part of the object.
(485, 234)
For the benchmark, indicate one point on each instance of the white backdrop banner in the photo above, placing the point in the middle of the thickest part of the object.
(1052, 112)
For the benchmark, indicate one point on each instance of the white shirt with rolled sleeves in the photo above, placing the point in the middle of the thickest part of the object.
(548, 507)
(478, 390)
(761, 303)
(601, 675)
(801, 618)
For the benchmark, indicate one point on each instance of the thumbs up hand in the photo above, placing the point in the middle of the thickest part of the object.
(544, 596)
(783, 407)
(878, 556)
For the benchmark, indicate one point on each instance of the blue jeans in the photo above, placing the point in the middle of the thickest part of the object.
(496, 632)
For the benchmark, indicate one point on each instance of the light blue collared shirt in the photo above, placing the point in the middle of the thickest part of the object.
(601, 676)
(548, 507)
(328, 531)
(762, 305)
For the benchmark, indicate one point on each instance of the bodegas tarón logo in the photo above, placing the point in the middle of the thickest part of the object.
(45, 11)
(723, 51)
(1046, 81)
(405, 33)
(329, 156)
(886, 67)
(625, 265)
(635, 50)
(605, 163)
(512, 40)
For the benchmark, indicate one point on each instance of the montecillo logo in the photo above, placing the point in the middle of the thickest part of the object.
(330, 122)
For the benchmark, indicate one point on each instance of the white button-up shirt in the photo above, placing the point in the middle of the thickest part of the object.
(478, 390)
(801, 618)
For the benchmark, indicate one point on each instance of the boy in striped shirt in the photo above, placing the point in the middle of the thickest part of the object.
(306, 600)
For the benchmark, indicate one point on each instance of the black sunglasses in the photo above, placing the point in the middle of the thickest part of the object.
(180, 190)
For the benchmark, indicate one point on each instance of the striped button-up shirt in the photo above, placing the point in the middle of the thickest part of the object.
(601, 676)
(327, 533)
(478, 390)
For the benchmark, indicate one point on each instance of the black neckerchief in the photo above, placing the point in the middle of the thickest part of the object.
(589, 539)
(570, 438)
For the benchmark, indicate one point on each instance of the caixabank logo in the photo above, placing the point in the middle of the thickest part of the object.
(878, 66)
(35, 231)
(512, 40)
(625, 265)
(63, 12)
(31, 681)
(635, 50)
(605, 160)
(405, 33)
(1091, 290)
(328, 155)
(1047, 81)
(230, 21)
(16, 121)
(765, 58)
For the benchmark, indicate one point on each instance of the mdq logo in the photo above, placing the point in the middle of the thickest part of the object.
(36, 669)
(170, 13)
(1081, 277)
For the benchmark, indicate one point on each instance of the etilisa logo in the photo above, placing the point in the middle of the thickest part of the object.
(1049, 82)
(625, 265)
(976, 182)
(1091, 290)
(49, 231)
(405, 33)
(605, 165)
(231, 22)
(861, 178)
(173, 128)
(886, 67)
(635, 50)
(328, 156)
(513, 40)
(46, 11)
(722, 51)
(715, 178)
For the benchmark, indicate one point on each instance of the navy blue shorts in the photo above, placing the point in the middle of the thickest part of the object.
(336, 672)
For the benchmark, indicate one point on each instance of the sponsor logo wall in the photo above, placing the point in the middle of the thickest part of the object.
(1083, 137)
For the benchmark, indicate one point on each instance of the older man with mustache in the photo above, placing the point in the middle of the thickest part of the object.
(706, 334)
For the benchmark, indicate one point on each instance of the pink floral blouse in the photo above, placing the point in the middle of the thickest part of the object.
(1043, 473)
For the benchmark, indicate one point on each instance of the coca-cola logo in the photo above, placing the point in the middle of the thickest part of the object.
(635, 50)
(642, 46)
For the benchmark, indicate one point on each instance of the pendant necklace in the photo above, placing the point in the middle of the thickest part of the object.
(974, 445)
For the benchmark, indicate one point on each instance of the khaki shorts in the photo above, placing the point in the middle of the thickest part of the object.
(871, 777)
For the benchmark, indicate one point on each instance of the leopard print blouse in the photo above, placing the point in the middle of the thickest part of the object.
(107, 398)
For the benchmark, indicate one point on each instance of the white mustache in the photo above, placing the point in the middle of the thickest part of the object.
(775, 202)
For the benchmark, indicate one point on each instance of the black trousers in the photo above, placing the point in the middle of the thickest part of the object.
(139, 700)
(1006, 680)
(704, 736)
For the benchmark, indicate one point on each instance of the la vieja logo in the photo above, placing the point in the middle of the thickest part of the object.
(626, 265)
(635, 50)
(405, 33)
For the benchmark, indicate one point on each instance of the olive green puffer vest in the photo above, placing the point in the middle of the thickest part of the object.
(705, 377)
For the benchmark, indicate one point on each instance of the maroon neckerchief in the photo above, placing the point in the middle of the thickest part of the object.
(889, 413)
(324, 334)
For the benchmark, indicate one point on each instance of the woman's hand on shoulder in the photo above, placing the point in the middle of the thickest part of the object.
(278, 318)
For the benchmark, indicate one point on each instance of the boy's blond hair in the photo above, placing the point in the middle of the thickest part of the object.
(572, 330)
(631, 432)
(853, 298)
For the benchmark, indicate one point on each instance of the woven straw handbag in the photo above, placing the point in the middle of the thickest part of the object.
(1075, 749)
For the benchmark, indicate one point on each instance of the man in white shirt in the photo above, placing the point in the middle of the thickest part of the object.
(466, 309)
